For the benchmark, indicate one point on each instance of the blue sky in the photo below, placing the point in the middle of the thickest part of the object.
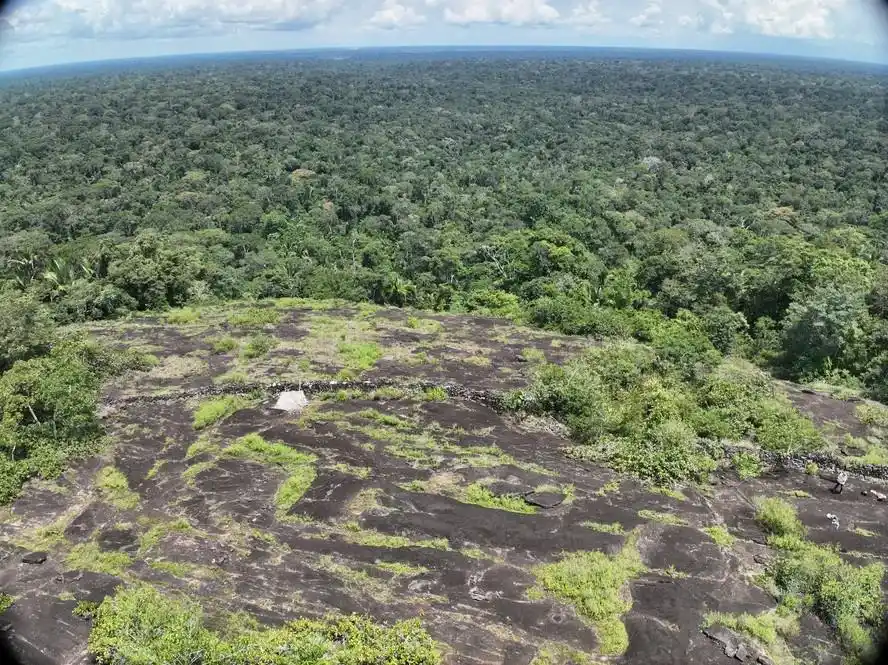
(44, 32)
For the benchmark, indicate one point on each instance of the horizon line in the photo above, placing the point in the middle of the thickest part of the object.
(739, 53)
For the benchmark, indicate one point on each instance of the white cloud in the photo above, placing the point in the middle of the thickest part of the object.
(588, 14)
(514, 12)
(677, 20)
(793, 18)
(393, 14)
(135, 18)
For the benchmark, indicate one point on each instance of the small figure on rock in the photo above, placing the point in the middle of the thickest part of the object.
(840, 482)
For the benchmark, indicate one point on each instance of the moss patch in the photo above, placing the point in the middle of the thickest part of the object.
(592, 582)
(479, 495)
(720, 535)
(662, 518)
(114, 489)
(88, 556)
(300, 466)
(214, 410)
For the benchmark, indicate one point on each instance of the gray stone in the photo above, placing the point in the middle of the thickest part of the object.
(544, 499)
(730, 650)
(34, 558)
(291, 401)
(764, 660)
(742, 653)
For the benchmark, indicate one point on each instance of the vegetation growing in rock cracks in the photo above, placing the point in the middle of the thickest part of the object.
(815, 578)
(212, 411)
(592, 583)
(141, 626)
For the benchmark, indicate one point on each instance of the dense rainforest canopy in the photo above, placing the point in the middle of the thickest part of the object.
(738, 207)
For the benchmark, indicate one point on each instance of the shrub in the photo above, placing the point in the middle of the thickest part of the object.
(845, 596)
(747, 465)
(435, 394)
(6, 601)
(214, 410)
(779, 518)
(48, 410)
(873, 414)
(258, 345)
(812, 469)
(766, 628)
(783, 429)
(223, 344)
(140, 626)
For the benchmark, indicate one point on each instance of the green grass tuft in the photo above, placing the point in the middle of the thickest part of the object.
(358, 356)
(114, 489)
(85, 609)
(435, 394)
(592, 582)
(258, 346)
(182, 316)
(6, 601)
(721, 536)
(615, 527)
(88, 557)
(300, 466)
(662, 518)
(255, 316)
(479, 495)
(214, 410)
(223, 344)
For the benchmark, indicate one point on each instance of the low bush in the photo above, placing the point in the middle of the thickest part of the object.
(779, 518)
(873, 414)
(140, 626)
(815, 577)
(223, 344)
(747, 465)
(258, 346)
(638, 411)
(48, 410)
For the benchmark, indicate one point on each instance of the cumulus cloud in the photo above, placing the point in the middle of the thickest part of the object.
(649, 17)
(588, 14)
(119, 19)
(394, 14)
(136, 18)
(513, 12)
